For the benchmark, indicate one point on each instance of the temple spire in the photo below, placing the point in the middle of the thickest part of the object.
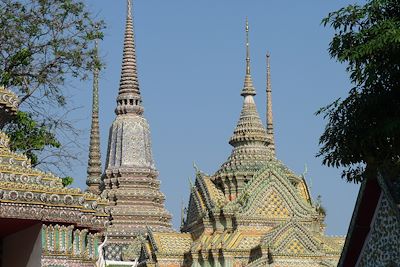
(249, 127)
(247, 48)
(129, 100)
(248, 88)
(94, 163)
(130, 179)
(250, 150)
(270, 123)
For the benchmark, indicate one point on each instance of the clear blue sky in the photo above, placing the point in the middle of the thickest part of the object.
(191, 61)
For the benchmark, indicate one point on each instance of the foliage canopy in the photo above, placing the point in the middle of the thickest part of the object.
(363, 130)
(44, 45)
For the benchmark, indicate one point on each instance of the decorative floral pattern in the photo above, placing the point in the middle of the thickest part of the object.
(383, 244)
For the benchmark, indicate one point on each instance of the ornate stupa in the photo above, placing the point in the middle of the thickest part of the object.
(249, 140)
(253, 211)
(130, 178)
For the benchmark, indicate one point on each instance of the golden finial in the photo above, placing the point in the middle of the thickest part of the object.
(247, 48)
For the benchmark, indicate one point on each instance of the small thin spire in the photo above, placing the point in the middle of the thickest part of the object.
(94, 162)
(247, 48)
(129, 99)
(248, 88)
(270, 122)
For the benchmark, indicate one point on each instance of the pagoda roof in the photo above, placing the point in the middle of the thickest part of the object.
(170, 244)
(28, 193)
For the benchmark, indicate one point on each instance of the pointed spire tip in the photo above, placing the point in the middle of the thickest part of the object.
(129, 10)
(248, 88)
(247, 48)
(129, 100)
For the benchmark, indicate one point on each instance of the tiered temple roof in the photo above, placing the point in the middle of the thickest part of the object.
(34, 194)
(29, 196)
(253, 211)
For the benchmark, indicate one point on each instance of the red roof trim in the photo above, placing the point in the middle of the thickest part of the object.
(362, 222)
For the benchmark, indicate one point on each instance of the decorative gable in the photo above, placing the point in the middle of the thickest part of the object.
(292, 238)
(271, 195)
